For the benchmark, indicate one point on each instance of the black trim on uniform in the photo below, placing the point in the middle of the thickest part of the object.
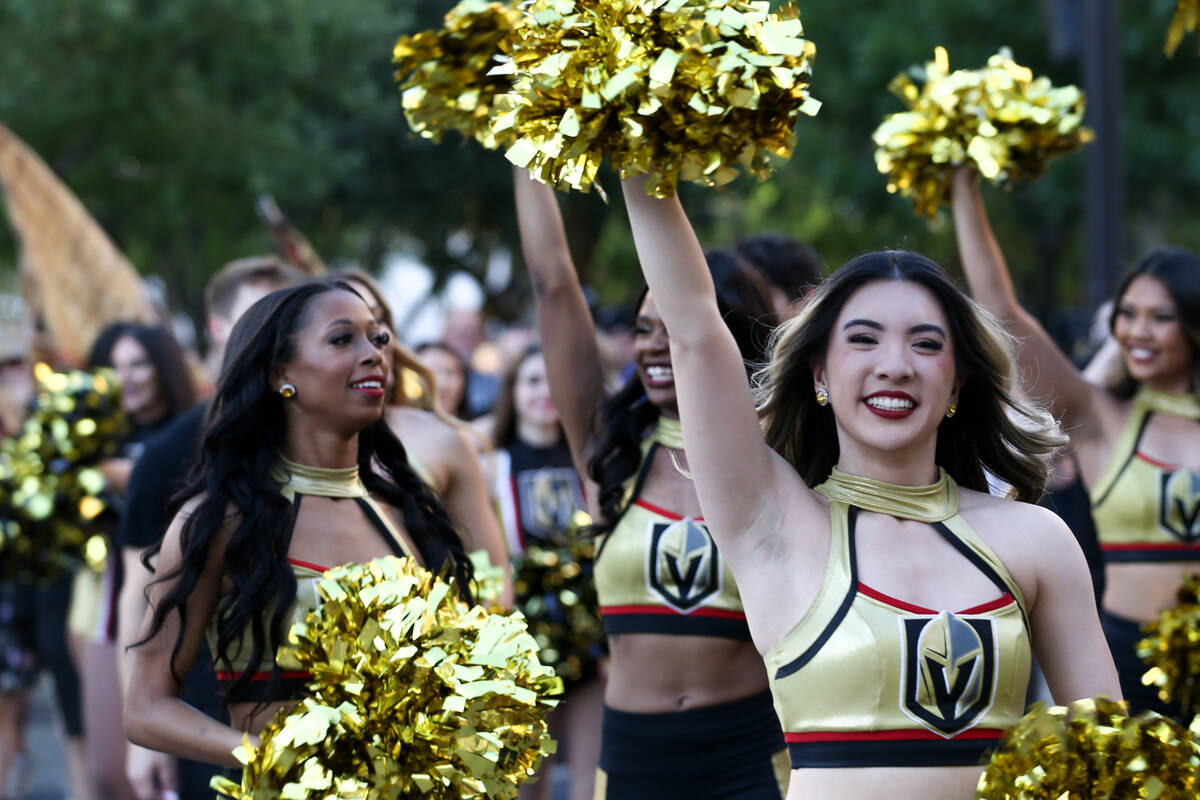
(984, 567)
(890, 753)
(843, 609)
(1128, 458)
(643, 473)
(1141, 556)
(677, 625)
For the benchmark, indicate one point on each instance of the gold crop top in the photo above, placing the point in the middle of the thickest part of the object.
(295, 481)
(659, 572)
(867, 680)
(1146, 510)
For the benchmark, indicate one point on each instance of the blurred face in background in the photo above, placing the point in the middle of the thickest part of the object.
(531, 394)
(451, 377)
(142, 394)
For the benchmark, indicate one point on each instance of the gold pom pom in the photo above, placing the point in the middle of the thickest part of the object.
(1172, 649)
(413, 694)
(1000, 119)
(1092, 749)
(444, 74)
(556, 591)
(1185, 20)
(682, 90)
(52, 497)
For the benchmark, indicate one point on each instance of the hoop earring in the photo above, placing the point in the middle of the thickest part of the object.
(287, 391)
(951, 409)
(822, 396)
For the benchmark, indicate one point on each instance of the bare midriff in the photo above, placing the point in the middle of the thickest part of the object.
(896, 783)
(653, 673)
(1140, 591)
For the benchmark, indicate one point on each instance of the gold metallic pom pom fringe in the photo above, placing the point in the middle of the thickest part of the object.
(999, 119)
(412, 695)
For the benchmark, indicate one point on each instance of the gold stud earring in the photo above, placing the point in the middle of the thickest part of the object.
(287, 391)
(822, 396)
(951, 409)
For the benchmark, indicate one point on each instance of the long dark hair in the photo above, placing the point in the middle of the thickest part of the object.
(993, 429)
(243, 434)
(626, 416)
(165, 355)
(1178, 270)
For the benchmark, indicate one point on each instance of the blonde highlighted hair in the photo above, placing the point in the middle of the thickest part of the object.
(994, 430)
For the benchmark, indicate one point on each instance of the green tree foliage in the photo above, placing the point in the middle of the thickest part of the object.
(168, 118)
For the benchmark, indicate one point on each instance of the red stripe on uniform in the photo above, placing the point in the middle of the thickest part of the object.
(991, 605)
(308, 565)
(699, 612)
(662, 512)
(896, 736)
(1155, 462)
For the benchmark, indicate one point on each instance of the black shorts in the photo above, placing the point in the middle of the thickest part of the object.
(733, 750)
(1123, 636)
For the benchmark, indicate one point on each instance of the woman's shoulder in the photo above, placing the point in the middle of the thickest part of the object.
(1000, 518)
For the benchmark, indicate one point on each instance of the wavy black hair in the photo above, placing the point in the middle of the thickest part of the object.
(244, 432)
(994, 429)
(1178, 270)
(625, 418)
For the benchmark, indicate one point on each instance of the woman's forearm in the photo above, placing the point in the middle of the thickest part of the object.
(982, 259)
(672, 261)
(169, 725)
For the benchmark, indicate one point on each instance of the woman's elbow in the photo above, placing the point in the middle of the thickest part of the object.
(137, 716)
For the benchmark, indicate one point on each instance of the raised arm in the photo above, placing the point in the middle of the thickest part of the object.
(573, 364)
(1049, 374)
(739, 479)
(155, 717)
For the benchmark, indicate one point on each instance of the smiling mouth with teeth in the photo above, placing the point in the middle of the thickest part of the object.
(890, 403)
(658, 373)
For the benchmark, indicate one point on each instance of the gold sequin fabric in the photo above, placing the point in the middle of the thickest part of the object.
(1093, 749)
(1000, 119)
(444, 73)
(413, 695)
(674, 89)
(1171, 648)
(52, 496)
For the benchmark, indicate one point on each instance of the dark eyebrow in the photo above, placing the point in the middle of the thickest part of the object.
(928, 327)
(870, 323)
(342, 321)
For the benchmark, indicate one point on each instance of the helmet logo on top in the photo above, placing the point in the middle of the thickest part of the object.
(685, 568)
(1179, 504)
(948, 673)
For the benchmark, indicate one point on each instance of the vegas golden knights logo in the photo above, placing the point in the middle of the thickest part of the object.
(547, 498)
(948, 678)
(685, 568)
(1179, 504)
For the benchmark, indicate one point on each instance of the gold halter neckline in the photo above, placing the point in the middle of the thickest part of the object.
(1179, 405)
(668, 432)
(337, 482)
(932, 503)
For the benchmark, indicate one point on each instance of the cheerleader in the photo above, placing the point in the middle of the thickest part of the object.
(896, 603)
(1137, 439)
(687, 712)
(298, 415)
